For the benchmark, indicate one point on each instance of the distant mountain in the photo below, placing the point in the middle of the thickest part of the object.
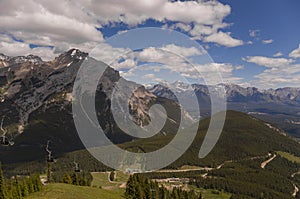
(35, 105)
(280, 106)
(7, 61)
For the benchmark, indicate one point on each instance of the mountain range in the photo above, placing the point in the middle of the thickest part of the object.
(279, 106)
(36, 96)
(30, 86)
(251, 158)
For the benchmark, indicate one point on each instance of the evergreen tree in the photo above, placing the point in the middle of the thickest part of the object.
(75, 180)
(112, 176)
(129, 187)
(24, 189)
(2, 184)
(67, 179)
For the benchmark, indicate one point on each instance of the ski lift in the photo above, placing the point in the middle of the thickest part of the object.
(77, 170)
(4, 141)
(49, 156)
(50, 159)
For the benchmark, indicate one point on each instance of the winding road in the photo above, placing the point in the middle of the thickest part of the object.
(264, 164)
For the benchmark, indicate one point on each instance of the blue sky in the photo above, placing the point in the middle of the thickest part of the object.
(254, 43)
(275, 19)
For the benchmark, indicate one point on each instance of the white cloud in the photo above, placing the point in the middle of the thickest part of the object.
(108, 54)
(239, 67)
(200, 12)
(16, 49)
(44, 22)
(64, 23)
(183, 51)
(279, 77)
(267, 41)
(170, 54)
(12, 48)
(181, 26)
(223, 39)
(280, 72)
(198, 31)
(152, 78)
(254, 33)
(127, 64)
(209, 71)
(295, 53)
(157, 61)
(268, 62)
(278, 54)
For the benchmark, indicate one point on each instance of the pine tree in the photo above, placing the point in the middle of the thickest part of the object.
(67, 179)
(2, 184)
(30, 185)
(130, 187)
(75, 179)
(112, 176)
(38, 182)
(24, 189)
(17, 189)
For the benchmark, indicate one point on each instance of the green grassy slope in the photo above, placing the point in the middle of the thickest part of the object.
(65, 191)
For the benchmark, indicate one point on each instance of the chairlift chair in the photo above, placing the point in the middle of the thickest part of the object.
(4, 141)
(50, 159)
(77, 170)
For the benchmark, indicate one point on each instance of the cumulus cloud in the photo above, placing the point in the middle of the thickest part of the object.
(44, 22)
(153, 62)
(183, 51)
(239, 67)
(108, 54)
(268, 62)
(280, 72)
(223, 39)
(181, 26)
(12, 48)
(254, 33)
(278, 54)
(267, 41)
(295, 53)
(65, 24)
(279, 77)
(201, 12)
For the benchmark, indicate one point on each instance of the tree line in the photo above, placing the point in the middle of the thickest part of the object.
(18, 187)
(139, 187)
(74, 178)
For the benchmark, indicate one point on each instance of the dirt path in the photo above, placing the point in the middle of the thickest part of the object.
(296, 173)
(296, 190)
(264, 164)
(184, 170)
(43, 180)
(123, 185)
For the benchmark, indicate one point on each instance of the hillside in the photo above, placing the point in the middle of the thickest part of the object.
(65, 191)
(251, 158)
(243, 136)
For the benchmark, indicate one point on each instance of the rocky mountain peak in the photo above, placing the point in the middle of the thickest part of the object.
(6, 61)
(69, 57)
